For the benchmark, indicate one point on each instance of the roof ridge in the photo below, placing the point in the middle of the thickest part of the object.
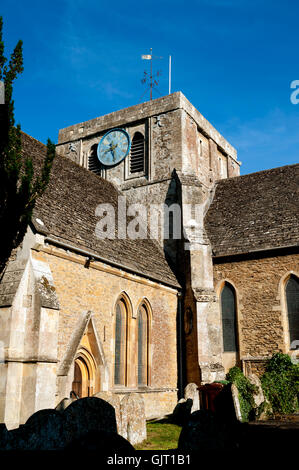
(269, 170)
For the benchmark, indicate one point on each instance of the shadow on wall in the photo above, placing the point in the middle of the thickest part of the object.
(178, 259)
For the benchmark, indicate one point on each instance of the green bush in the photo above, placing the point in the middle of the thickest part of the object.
(246, 391)
(280, 384)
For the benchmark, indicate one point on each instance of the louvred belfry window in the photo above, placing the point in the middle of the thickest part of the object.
(137, 155)
(228, 310)
(120, 343)
(142, 346)
(292, 296)
(93, 161)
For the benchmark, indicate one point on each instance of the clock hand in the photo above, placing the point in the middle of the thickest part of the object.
(111, 148)
(112, 151)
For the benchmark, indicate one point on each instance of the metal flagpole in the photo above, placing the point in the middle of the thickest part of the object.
(151, 77)
(169, 74)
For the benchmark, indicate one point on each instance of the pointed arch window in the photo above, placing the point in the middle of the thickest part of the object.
(142, 346)
(120, 359)
(137, 155)
(292, 297)
(229, 318)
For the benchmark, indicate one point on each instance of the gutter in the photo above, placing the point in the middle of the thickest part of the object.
(257, 252)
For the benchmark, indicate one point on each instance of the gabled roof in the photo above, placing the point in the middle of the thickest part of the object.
(67, 210)
(258, 211)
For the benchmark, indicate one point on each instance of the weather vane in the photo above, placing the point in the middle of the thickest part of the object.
(149, 78)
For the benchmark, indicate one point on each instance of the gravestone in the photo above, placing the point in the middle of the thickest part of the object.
(89, 414)
(133, 422)
(192, 392)
(90, 421)
(114, 400)
(182, 411)
(104, 443)
(204, 431)
(236, 401)
(63, 404)
(4, 436)
(259, 397)
(44, 430)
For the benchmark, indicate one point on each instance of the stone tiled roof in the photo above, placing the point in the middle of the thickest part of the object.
(67, 210)
(253, 212)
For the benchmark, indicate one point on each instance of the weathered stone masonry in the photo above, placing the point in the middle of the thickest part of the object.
(261, 303)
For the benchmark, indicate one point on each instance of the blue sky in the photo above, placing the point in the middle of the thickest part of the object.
(233, 59)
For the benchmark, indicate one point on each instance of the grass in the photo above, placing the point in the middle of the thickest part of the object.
(161, 435)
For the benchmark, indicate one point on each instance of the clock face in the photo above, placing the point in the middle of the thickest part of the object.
(113, 147)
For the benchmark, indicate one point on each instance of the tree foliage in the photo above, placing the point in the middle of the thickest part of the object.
(280, 383)
(19, 186)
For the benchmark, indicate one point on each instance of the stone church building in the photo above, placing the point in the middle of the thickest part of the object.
(218, 286)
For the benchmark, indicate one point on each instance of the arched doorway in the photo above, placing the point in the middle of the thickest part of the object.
(84, 374)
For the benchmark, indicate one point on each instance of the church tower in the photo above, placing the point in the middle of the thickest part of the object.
(176, 158)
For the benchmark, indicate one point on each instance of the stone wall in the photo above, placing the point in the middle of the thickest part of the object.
(261, 305)
(97, 289)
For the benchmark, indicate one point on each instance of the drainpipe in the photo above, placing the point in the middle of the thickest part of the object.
(180, 355)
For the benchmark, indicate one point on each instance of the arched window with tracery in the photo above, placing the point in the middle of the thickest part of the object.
(292, 298)
(229, 318)
(142, 346)
(120, 358)
(137, 154)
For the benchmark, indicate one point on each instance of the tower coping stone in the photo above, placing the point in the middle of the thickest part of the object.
(140, 111)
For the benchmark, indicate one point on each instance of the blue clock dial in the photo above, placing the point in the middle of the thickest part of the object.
(113, 147)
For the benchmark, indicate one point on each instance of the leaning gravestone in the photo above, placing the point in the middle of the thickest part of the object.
(114, 400)
(236, 401)
(191, 391)
(259, 397)
(133, 422)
